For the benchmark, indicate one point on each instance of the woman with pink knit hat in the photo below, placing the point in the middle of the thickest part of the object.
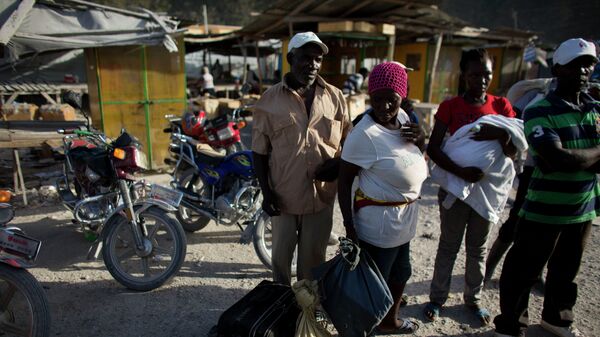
(382, 150)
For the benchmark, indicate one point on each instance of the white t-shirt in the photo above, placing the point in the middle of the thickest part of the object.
(207, 81)
(392, 170)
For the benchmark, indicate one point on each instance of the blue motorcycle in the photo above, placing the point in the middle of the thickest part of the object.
(218, 187)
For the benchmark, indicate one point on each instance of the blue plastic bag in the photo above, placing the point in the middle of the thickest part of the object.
(352, 291)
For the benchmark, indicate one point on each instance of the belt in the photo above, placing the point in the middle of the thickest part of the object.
(361, 200)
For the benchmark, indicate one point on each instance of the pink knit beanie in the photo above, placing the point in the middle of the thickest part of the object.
(388, 75)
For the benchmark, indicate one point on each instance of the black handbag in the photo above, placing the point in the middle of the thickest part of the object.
(352, 291)
(268, 310)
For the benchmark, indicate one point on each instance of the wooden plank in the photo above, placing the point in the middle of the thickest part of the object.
(12, 97)
(24, 143)
(20, 174)
(48, 98)
(13, 22)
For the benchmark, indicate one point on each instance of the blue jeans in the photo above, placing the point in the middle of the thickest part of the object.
(393, 263)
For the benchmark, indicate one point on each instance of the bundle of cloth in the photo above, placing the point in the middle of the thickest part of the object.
(489, 195)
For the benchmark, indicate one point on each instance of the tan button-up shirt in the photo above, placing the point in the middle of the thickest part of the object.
(298, 143)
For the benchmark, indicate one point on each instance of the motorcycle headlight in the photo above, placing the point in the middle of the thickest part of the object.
(141, 160)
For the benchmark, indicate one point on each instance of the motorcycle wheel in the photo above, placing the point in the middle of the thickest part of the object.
(144, 273)
(25, 310)
(190, 220)
(262, 241)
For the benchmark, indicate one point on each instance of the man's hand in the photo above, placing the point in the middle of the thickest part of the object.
(471, 174)
(329, 170)
(270, 205)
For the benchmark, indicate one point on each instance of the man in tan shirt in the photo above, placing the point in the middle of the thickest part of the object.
(298, 129)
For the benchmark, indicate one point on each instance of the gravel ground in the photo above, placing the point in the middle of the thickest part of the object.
(86, 301)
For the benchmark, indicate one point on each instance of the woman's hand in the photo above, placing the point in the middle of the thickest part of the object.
(351, 231)
(489, 132)
(471, 174)
(411, 132)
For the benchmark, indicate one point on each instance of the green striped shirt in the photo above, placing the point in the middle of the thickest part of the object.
(562, 197)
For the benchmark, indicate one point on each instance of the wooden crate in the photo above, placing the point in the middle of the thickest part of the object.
(363, 26)
(385, 29)
(19, 112)
(56, 112)
(340, 26)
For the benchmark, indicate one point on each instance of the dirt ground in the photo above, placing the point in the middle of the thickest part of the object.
(86, 301)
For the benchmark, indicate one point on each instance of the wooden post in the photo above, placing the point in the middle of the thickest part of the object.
(258, 68)
(20, 176)
(391, 47)
(436, 56)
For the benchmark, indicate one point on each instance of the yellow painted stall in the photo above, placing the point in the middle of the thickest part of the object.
(134, 87)
(414, 55)
(497, 55)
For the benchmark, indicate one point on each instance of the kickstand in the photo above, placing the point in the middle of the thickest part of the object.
(94, 250)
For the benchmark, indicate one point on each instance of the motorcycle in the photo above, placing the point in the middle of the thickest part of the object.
(218, 187)
(221, 132)
(25, 310)
(142, 245)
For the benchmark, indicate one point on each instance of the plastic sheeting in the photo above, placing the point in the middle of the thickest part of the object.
(73, 25)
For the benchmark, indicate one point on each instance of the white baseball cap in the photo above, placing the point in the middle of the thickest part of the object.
(572, 49)
(301, 39)
(407, 69)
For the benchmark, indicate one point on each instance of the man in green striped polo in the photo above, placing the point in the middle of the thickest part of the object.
(563, 131)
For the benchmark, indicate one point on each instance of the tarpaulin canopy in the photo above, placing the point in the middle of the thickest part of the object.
(33, 27)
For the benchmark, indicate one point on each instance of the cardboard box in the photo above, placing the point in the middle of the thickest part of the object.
(363, 26)
(340, 26)
(19, 111)
(56, 112)
(385, 29)
(208, 105)
(229, 103)
(356, 105)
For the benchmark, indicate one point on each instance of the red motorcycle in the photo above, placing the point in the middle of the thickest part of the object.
(142, 245)
(222, 132)
(24, 310)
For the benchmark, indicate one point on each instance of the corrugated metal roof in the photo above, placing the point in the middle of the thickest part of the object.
(411, 18)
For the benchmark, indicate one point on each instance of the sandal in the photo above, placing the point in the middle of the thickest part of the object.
(408, 327)
(432, 311)
(482, 314)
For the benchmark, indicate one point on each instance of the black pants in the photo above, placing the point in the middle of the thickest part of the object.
(393, 263)
(536, 243)
(507, 231)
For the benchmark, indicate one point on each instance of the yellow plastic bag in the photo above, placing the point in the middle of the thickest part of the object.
(307, 296)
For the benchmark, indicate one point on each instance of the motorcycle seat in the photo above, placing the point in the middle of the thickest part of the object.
(207, 155)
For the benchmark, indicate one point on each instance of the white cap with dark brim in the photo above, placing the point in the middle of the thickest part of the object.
(572, 49)
(301, 39)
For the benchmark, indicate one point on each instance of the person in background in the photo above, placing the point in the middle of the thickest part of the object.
(252, 81)
(521, 95)
(562, 200)
(217, 70)
(298, 130)
(353, 85)
(206, 82)
(458, 218)
(382, 150)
